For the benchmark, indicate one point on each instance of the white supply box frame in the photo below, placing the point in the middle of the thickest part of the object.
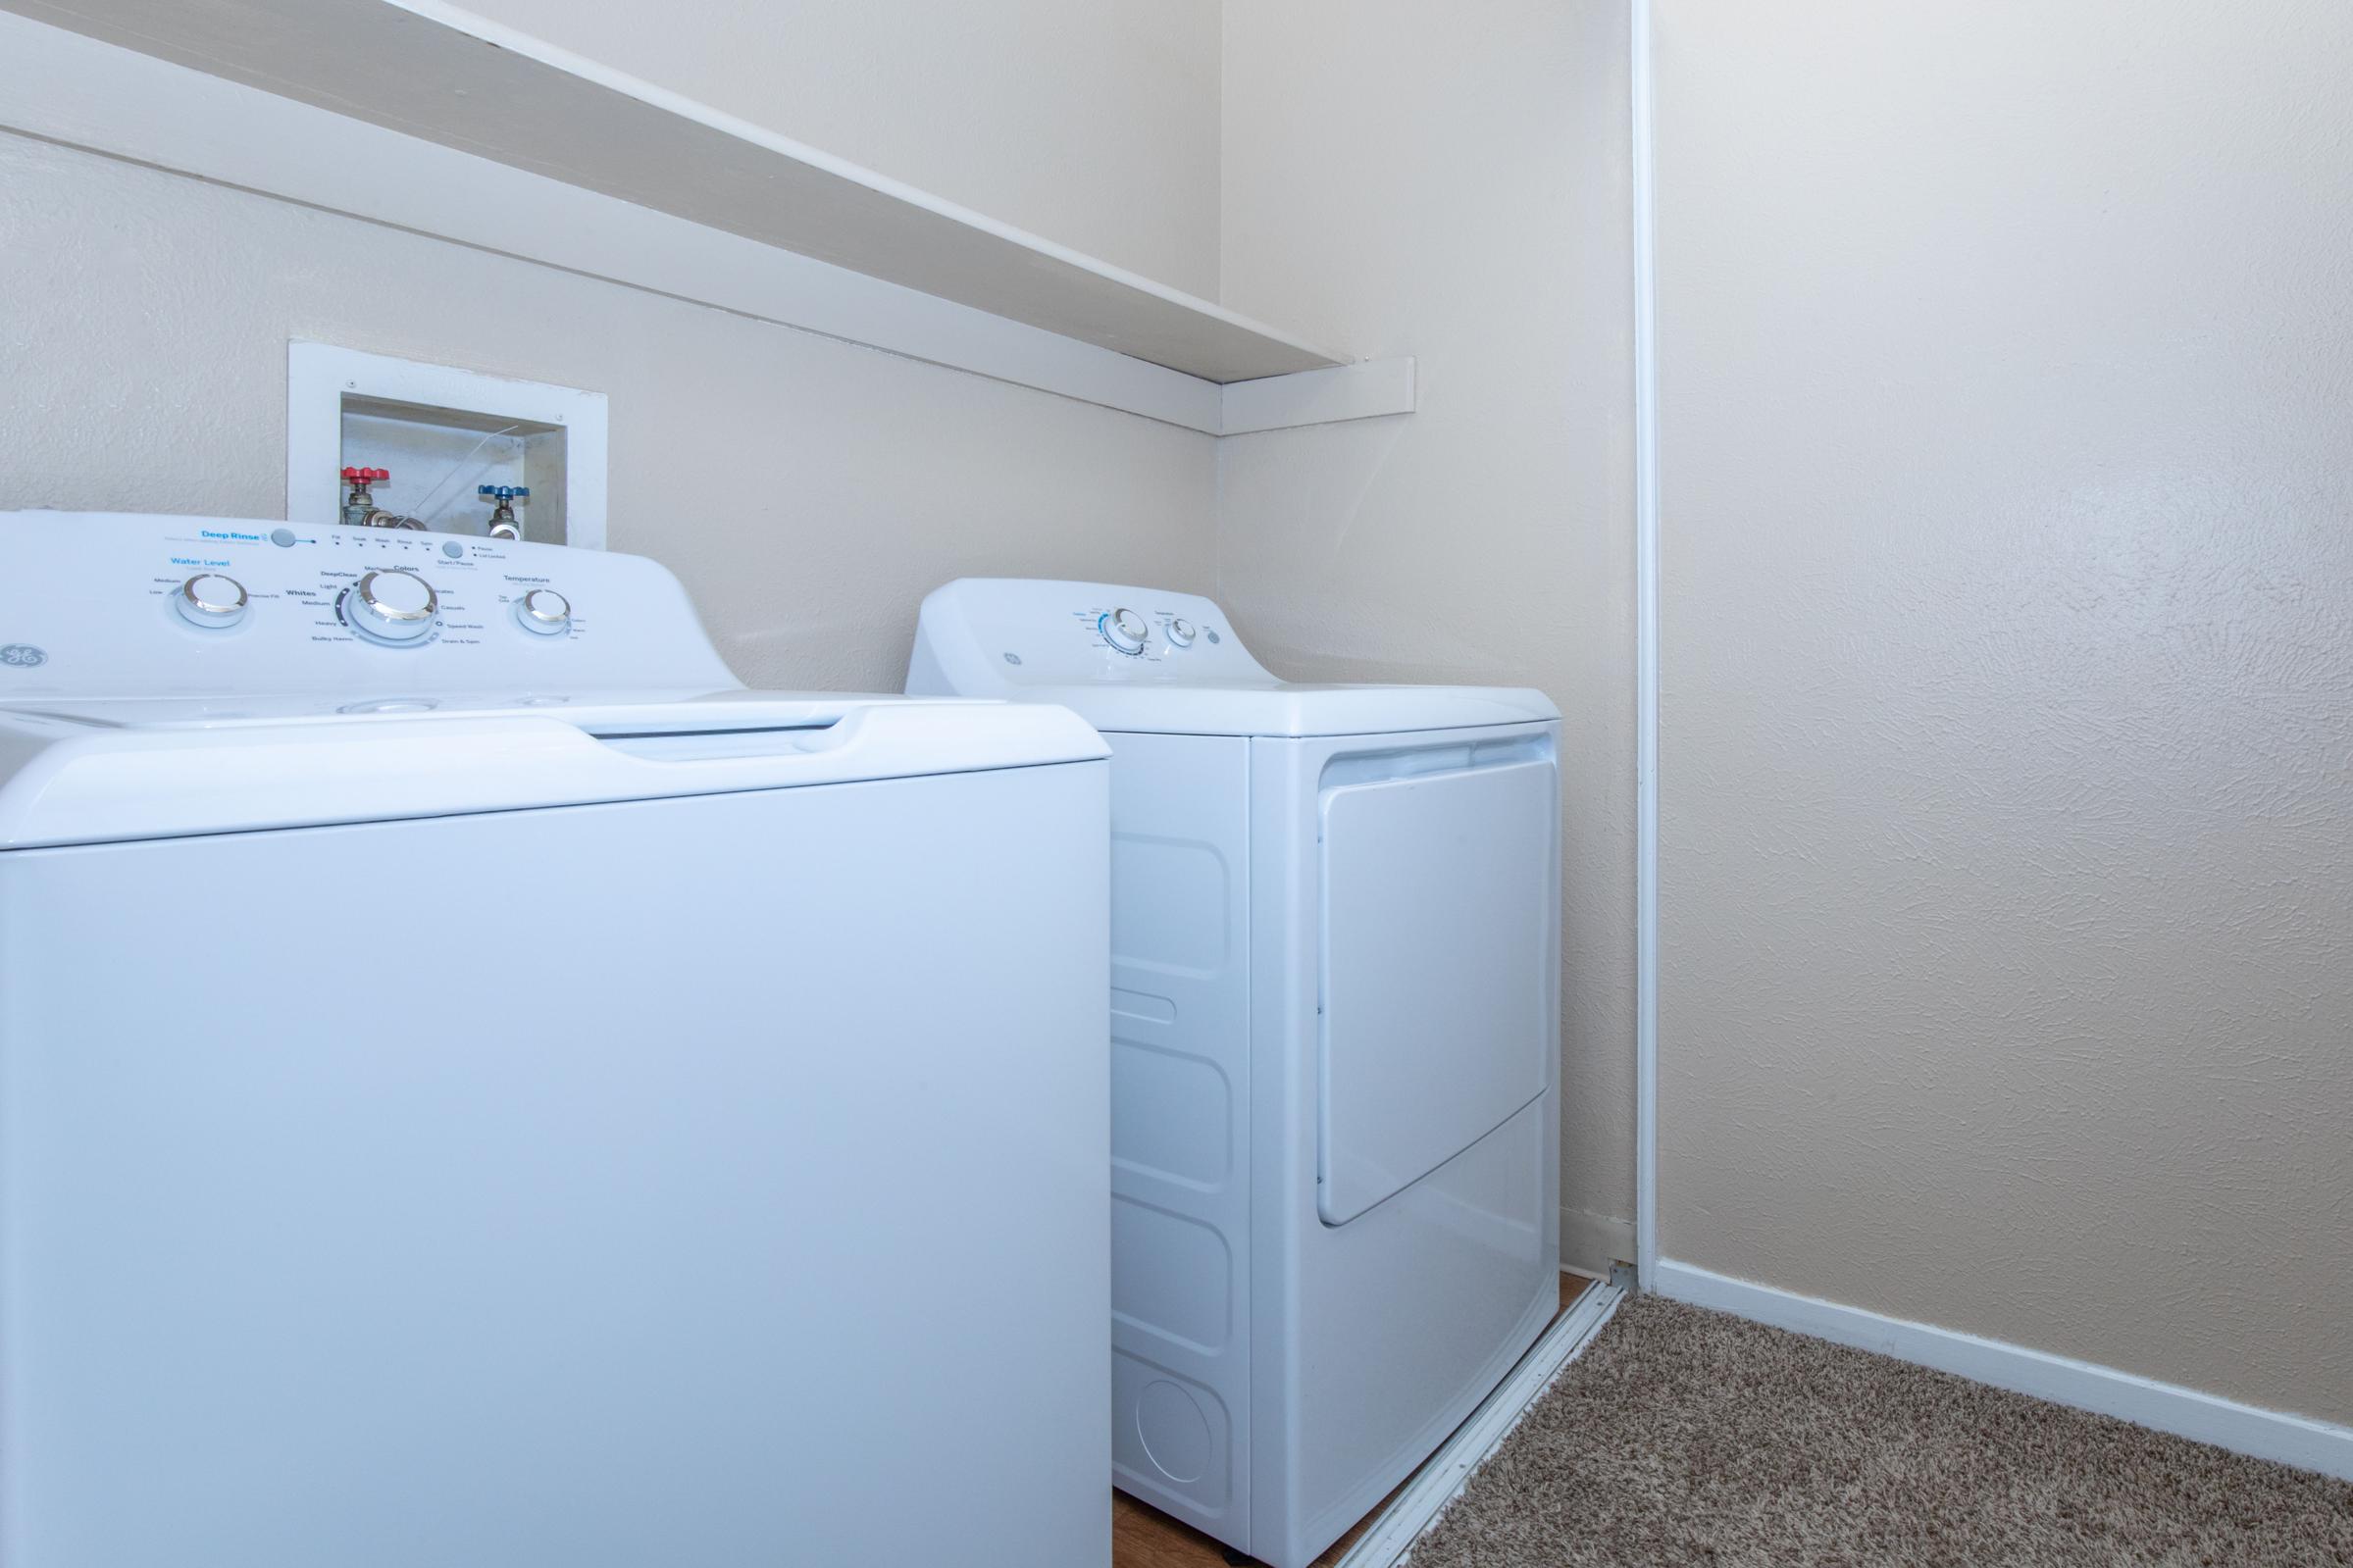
(321, 375)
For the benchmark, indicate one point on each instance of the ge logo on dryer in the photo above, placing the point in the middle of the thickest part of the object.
(23, 656)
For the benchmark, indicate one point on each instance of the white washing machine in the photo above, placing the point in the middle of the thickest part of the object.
(480, 1088)
(1335, 1008)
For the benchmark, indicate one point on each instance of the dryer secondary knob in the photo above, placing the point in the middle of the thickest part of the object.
(392, 606)
(1180, 633)
(544, 611)
(210, 600)
(1124, 630)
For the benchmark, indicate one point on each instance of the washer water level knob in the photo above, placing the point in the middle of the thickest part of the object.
(392, 606)
(1180, 633)
(544, 611)
(210, 600)
(1124, 630)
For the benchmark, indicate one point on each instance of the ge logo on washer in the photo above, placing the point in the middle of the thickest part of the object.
(22, 656)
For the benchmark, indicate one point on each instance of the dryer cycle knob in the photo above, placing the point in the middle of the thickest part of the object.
(210, 600)
(392, 606)
(1124, 630)
(544, 611)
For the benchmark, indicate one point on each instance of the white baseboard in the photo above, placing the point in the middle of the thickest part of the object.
(1590, 1243)
(2275, 1435)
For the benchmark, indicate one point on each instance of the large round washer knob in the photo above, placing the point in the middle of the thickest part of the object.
(392, 606)
(1180, 633)
(544, 611)
(210, 600)
(1124, 630)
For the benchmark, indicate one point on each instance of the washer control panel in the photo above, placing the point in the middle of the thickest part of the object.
(144, 605)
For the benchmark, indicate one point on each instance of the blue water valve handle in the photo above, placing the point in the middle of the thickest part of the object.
(505, 493)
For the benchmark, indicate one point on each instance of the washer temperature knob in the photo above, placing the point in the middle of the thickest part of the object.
(1180, 633)
(392, 606)
(1124, 630)
(544, 611)
(210, 600)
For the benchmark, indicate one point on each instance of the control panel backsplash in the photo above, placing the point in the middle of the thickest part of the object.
(110, 604)
(1029, 632)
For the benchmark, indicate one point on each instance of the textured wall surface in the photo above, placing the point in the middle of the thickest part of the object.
(2008, 745)
(1091, 124)
(1448, 181)
(808, 492)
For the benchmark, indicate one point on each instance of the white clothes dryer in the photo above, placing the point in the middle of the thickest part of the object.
(1335, 1031)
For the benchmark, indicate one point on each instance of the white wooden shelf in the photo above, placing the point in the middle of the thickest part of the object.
(443, 75)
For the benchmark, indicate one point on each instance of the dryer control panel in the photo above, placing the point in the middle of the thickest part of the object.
(143, 605)
(998, 635)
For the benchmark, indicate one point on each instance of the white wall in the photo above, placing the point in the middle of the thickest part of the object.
(809, 492)
(1450, 182)
(2008, 735)
(1091, 124)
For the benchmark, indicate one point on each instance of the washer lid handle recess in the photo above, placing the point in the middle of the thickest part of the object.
(64, 782)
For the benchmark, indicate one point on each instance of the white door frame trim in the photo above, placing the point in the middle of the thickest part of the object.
(1645, 661)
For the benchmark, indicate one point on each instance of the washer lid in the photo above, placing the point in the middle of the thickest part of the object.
(96, 772)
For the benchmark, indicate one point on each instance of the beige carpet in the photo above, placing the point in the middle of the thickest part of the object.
(1687, 1438)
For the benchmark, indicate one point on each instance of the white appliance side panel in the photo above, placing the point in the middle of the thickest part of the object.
(1434, 960)
(1443, 1287)
(735, 1194)
(1179, 1106)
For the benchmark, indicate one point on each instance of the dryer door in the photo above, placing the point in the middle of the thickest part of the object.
(1436, 962)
